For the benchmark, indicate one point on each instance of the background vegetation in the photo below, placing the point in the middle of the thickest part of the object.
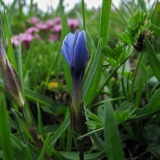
(120, 89)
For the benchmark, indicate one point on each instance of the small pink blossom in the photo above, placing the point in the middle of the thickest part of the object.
(16, 37)
(73, 24)
(49, 23)
(38, 37)
(57, 20)
(14, 41)
(41, 26)
(33, 20)
(56, 28)
(54, 37)
(25, 38)
(32, 30)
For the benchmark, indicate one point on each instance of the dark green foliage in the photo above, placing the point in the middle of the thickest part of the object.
(121, 94)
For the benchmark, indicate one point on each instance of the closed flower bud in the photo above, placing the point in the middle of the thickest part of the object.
(11, 79)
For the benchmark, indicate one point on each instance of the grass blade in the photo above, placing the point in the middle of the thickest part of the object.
(59, 132)
(41, 156)
(93, 156)
(24, 154)
(84, 15)
(92, 71)
(106, 8)
(64, 32)
(36, 97)
(112, 138)
(10, 52)
(154, 62)
(4, 131)
(152, 106)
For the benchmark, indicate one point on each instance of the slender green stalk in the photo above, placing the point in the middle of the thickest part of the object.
(107, 80)
(105, 17)
(5, 134)
(38, 142)
(19, 65)
(84, 15)
(69, 140)
(18, 124)
(110, 76)
(135, 74)
(10, 52)
(122, 82)
(106, 8)
(111, 134)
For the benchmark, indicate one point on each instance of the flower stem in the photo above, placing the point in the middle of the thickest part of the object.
(135, 74)
(78, 125)
(84, 15)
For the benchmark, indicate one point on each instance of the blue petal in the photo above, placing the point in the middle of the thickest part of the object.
(67, 47)
(73, 47)
(81, 55)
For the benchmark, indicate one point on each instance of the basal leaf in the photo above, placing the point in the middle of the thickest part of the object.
(112, 138)
(154, 62)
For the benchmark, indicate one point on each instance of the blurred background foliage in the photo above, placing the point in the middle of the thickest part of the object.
(130, 78)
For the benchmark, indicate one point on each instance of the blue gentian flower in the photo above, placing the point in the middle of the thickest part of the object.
(11, 80)
(76, 54)
(75, 51)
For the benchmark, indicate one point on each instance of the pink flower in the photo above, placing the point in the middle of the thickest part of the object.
(54, 37)
(50, 23)
(27, 38)
(41, 26)
(33, 20)
(56, 28)
(73, 24)
(38, 37)
(57, 20)
(32, 30)
(16, 37)
(14, 41)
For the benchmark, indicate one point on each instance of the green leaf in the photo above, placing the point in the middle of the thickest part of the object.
(40, 125)
(45, 145)
(84, 15)
(24, 153)
(5, 135)
(107, 51)
(93, 156)
(154, 149)
(106, 8)
(17, 143)
(154, 62)
(152, 106)
(10, 52)
(99, 142)
(65, 30)
(42, 99)
(58, 133)
(37, 97)
(92, 72)
(112, 138)
(125, 38)
(151, 132)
